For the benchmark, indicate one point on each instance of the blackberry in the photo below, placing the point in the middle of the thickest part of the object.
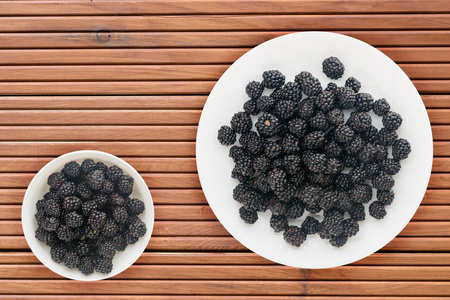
(325, 101)
(101, 200)
(344, 202)
(261, 184)
(334, 166)
(248, 216)
(302, 76)
(294, 235)
(370, 134)
(254, 89)
(241, 122)
(92, 234)
(125, 185)
(82, 191)
(335, 117)
(119, 242)
(137, 228)
(323, 232)
(291, 91)
(357, 175)
(276, 94)
(108, 188)
(392, 120)
(328, 200)
(286, 193)
(346, 98)
(385, 197)
(250, 107)
(310, 225)
(57, 253)
(390, 166)
(364, 102)
(252, 142)
(292, 163)
(50, 223)
(273, 79)
(106, 249)
(103, 264)
(65, 233)
(89, 206)
(342, 182)
(372, 170)
(338, 241)
(52, 208)
(333, 222)
(86, 265)
(297, 178)
(71, 170)
(355, 146)
(87, 166)
(321, 179)
(120, 214)
(55, 180)
(74, 219)
(333, 149)
(367, 154)
(244, 166)
(267, 125)
(311, 86)
(359, 121)
(343, 134)
(277, 207)
(284, 109)
(381, 107)
(114, 173)
(278, 223)
(290, 144)
(386, 137)
(101, 167)
(295, 208)
(239, 190)
(265, 103)
(95, 180)
(361, 193)
(66, 189)
(134, 206)
(129, 239)
(282, 130)
(47, 237)
(71, 203)
(276, 163)
(357, 212)
(97, 219)
(306, 108)
(331, 87)
(383, 182)
(401, 149)
(71, 260)
(353, 83)
(377, 210)
(319, 122)
(351, 161)
(82, 248)
(298, 127)
(52, 196)
(237, 153)
(40, 216)
(333, 67)
(311, 194)
(314, 140)
(236, 174)
(110, 229)
(315, 162)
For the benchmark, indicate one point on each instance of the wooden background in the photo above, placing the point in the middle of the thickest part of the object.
(131, 78)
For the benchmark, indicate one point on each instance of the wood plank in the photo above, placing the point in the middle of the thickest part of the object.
(183, 56)
(441, 164)
(436, 197)
(440, 132)
(107, 88)
(151, 164)
(263, 287)
(440, 181)
(129, 148)
(248, 258)
(214, 7)
(198, 39)
(436, 101)
(165, 72)
(92, 117)
(201, 297)
(98, 133)
(441, 148)
(276, 272)
(224, 22)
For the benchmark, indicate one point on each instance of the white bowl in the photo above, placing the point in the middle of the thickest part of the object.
(38, 187)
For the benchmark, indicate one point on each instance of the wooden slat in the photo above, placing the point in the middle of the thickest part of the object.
(224, 22)
(183, 56)
(201, 297)
(214, 7)
(181, 272)
(440, 180)
(98, 133)
(198, 39)
(105, 117)
(228, 287)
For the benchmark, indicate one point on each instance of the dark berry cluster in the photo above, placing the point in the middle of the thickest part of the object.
(87, 215)
(306, 159)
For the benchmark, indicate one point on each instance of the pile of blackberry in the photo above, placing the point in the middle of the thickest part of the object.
(303, 158)
(87, 215)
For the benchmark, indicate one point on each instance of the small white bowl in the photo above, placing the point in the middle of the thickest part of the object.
(38, 187)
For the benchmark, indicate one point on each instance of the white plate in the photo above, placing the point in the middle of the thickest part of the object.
(291, 54)
(38, 187)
